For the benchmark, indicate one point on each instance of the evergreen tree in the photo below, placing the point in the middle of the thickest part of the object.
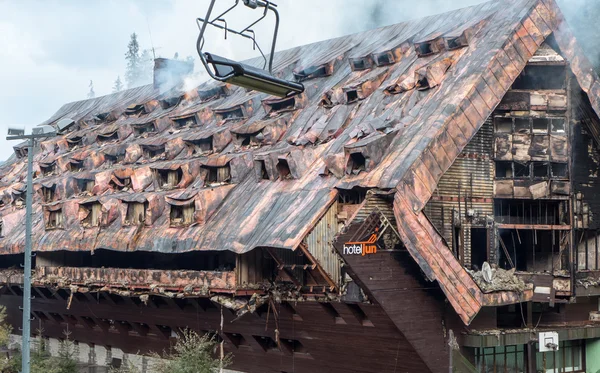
(91, 93)
(118, 86)
(132, 71)
(146, 67)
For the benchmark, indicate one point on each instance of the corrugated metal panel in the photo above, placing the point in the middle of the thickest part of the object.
(373, 202)
(319, 242)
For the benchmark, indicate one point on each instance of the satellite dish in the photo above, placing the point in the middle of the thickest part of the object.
(486, 270)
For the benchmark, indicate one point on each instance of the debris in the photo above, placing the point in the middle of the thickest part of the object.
(500, 280)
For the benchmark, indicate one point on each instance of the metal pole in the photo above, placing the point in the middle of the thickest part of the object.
(27, 266)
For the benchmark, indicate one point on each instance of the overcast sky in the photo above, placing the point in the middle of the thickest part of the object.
(51, 49)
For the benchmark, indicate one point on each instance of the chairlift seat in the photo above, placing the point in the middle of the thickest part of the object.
(250, 77)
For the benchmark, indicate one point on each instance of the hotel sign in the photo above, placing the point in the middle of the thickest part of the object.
(365, 247)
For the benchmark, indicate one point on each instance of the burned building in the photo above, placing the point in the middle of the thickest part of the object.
(429, 201)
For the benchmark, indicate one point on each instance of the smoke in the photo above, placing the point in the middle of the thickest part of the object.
(582, 17)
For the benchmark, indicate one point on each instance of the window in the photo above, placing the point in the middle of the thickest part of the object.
(558, 125)
(251, 139)
(170, 102)
(153, 151)
(48, 168)
(521, 170)
(568, 358)
(540, 170)
(233, 113)
(136, 213)
(503, 125)
(55, 219)
(140, 129)
(312, 72)
(504, 170)
(522, 125)
(540, 125)
(76, 165)
(85, 185)
(74, 142)
(168, 179)
(92, 213)
(354, 196)
(218, 174)
(281, 105)
(182, 215)
(385, 58)
(559, 170)
(18, 199)
(236, 339)
(120, 184)
(360, 63)
(293, 346)
(356, 163)
(186, 121)
(351, 96)
(134, 110)
(541, 77)
(48, 193)
(202, 146)
(107, 137)
(507, 359)
(267, 343)
(110, 160)
(261, 166)
(283, 168)
(455, 42)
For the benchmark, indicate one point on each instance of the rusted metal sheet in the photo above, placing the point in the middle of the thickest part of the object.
(134, 278)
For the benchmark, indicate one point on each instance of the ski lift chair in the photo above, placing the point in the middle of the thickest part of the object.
(240, 74)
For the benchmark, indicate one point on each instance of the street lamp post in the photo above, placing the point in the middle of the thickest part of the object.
(19, 134)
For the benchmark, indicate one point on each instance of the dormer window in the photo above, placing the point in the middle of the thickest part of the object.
(74, 142)
(21, 150)
(234, 113)
(85, 185)
(455, 42)
(48, 193)
(356, 163)
(313, 72)
(102, 116)
(56, 219)
(110, 159)
(261, 168)
(250, 139)
(283, 168)
(136, 213)
(188, 121)
(218, 174)
(135, 109)
(280, 105)
(76, 165)
(182, 215)
(212, 93)
(202, 146)
(427, 47)
(48, 168)
(91, 214)
(351, 95)
(153, 151)
(18, 198)
(168, 179)
(361, 63)
(120, 183)
(141, 129)
(170, 102)
(108, 137)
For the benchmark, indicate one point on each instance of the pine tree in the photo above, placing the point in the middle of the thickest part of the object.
(146, 67)
(132, 71)
(91, 93)
(118, 86)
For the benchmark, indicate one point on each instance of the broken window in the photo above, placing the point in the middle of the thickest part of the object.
(530, 212)
(202, 146)
(120, 184)
(360, 63)
(170, 102)
(48, 168)
(522, 125)
(76, 165)
(455, 42)
(384, 58)
(55, 219)
(74, 142)
(540, 170)
(91, 214)
(85, 185)
(188, 121)
(251, 139)
(136, 213)
(479, 247)
(283, 168)
(168, 179)
(48, 193)
(559, 170)
(140, 129)
(351, 96)
(521, 170)
(503, 125)
(281, 105)
(135, 109)
(530, 250)
(153, 151)
(422, 83)
(504, 170)
(540, 125)
(261, 166)
(20, 151)
(182, 215)
(110, 159)
(558, 125)
(218, 174)
(233, 113)
(107, 137)
(536, 77)
(313, 72)
(356, 163)
(18, 198)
